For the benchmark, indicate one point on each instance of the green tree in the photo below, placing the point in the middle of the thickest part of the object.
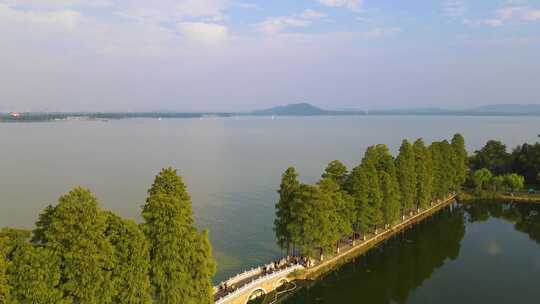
(498, 183)
(315, 227)
(336, 171)
(406, 173)
(357, 188)
(373, 208)
(75, 231)
(35, 275)
(380, 156)
(449, 168)
(180, 257)
(390, 195)
(481, 178)
(131, 261)
(5, 288)
(424, 173)
(492, 156)
(525, 160)
(43, 222)
(514, 182)
(461, 160)
(284, 216)
(342, 204)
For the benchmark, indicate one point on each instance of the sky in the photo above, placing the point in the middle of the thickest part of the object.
(234, 55)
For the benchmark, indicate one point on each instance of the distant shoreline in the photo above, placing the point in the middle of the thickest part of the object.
(63, 117)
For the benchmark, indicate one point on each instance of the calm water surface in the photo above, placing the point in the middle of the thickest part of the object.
(231, 166)
(470, 253)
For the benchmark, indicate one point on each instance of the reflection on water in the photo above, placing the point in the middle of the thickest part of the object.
(467, 253)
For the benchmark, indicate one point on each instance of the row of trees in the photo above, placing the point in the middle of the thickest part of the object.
(523, 160)
(484, 180)
(79, 253)
(374, 194)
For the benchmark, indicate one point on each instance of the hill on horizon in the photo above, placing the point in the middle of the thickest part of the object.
(300, 109)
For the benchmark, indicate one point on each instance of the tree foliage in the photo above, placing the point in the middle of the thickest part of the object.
(180, 260)
(424, 174)
(461, 160)
(81, 254)
(492, 156)
(373, 194)
(284, 215)
(406, 173)
(75, 231)
(35, 275)
(131, 261)
(337, 172)
(481, 179)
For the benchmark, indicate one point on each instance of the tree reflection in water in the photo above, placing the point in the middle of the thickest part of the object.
(390, 272)
(394, 270)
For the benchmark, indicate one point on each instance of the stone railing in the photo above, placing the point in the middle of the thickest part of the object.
(257, 281)
(241, 276)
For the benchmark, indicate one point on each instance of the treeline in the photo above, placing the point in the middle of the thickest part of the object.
(80, 253)
(524, 160)
(40, 117)
(376, 193)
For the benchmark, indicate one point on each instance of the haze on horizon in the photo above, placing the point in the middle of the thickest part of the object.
(233, 55)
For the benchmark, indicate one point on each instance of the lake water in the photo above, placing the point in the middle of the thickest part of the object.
(232, 166)
(473, 253)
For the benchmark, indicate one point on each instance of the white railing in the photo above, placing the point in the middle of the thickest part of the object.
(257, 281)
(241, 276)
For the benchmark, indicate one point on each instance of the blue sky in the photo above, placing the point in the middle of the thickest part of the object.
(191, 55)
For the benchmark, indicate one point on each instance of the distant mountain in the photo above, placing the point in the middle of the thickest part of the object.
(526, 109)
(300, 109)
(488, 110)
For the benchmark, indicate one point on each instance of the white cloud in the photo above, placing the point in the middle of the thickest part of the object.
(57, 4)
(58, 21)
(532, 15)
(454, 8)
(380, 32)
(206, 33)
(312, 14)
(507, 14)
(274, 25)
(350, 4)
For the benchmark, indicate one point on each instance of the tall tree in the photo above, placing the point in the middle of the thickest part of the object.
(315, 227)
(437, 158)
(381, 158)
(461, 165)
(492, 156)
(75, 231)
(357, 188)
(180, 260)
(384, 163)
(449, 168)
(342, 205)
(284, 216)
(390, 195)
(336, 171)
(35, 275)
(406, 173)
(373, 208)
(525, 160)
(424, 173)
(5, 288)
(131, 261)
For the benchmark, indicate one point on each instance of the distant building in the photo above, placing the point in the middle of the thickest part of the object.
(14, 114)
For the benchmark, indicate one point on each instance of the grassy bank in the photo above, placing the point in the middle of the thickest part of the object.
(520, 197)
